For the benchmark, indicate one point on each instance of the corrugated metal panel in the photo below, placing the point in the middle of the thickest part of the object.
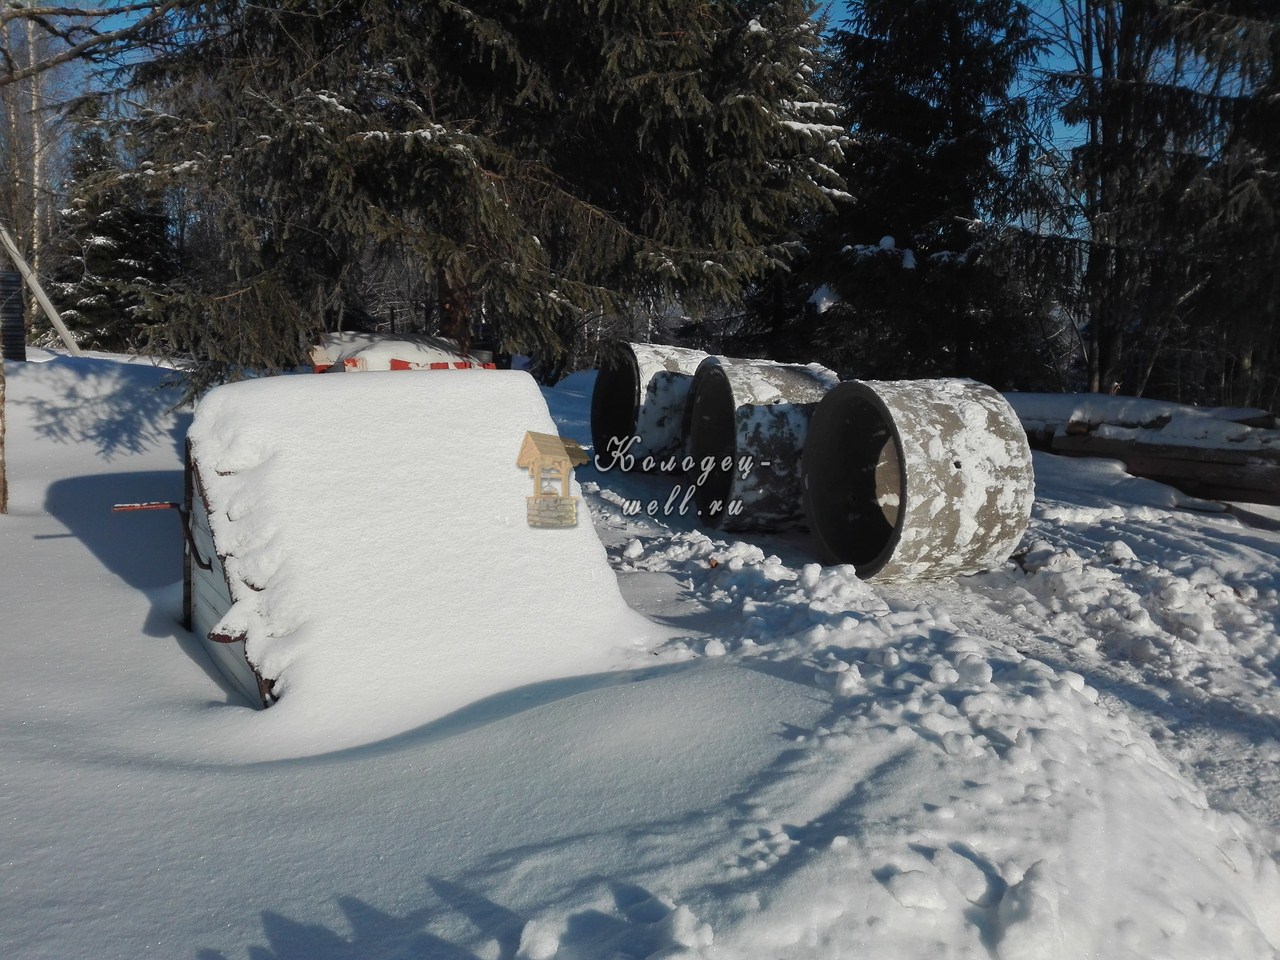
(13, 335)
(210, 600)
(230, 659)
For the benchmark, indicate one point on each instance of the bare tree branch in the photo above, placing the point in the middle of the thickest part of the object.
(82, 39)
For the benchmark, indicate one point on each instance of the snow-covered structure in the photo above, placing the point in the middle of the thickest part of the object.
(1218, 453)
(366, 539)
(348, 351)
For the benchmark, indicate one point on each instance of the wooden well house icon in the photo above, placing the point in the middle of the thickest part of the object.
(548, 459)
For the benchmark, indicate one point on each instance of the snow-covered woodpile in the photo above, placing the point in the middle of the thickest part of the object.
(1222, 453)
(348, 352)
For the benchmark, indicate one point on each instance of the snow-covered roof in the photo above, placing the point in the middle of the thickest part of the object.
(375, 351)
(375, 538)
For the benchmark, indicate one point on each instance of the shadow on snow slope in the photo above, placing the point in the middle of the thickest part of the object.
(143, 549)
(119, 409)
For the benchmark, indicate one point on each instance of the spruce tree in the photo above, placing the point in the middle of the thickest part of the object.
(540, 161)
(113, 248)
(927, 90)
(1171, 185)
(1230, 332)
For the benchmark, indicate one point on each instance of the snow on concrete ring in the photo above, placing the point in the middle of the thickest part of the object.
(753, 415)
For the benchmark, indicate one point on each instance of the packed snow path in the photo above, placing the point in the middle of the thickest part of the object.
(1169, 605)
(813, 767)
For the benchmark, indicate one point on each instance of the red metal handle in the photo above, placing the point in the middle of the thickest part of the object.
(152, 505)
(200, 561)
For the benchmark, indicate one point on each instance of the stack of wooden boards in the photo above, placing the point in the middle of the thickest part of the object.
(1230, 454)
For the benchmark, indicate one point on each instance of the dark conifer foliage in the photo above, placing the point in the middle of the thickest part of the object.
(113, 246)
(540, 161)
(928, 92)
(1226, 348)
(560, 171)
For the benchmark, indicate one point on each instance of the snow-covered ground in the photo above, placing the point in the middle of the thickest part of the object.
(1075, 756)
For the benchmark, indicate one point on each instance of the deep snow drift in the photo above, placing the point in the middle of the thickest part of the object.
(1072, 757)
(380, 562)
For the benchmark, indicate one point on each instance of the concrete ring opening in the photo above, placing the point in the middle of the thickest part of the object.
(615, 401)
(854, 485)
(712, 433)
(641, 392)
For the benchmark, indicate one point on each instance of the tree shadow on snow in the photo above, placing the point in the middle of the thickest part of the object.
(117, 408)
(457, 922)
(374, 935)
(1176, 709)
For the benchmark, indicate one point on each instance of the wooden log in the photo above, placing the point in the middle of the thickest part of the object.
(1216, 473)
(1091, 445)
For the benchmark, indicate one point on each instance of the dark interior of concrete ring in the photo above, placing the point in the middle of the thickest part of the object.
(615, 401)
(686, 419)
(849, 512)
(712, 433)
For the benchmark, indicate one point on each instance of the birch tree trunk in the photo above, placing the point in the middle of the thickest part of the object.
(26, 166)
(35, 108)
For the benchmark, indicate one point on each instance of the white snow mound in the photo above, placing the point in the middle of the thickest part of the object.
(434, 592)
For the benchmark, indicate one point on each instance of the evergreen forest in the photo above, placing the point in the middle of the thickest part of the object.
(1075, 195)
